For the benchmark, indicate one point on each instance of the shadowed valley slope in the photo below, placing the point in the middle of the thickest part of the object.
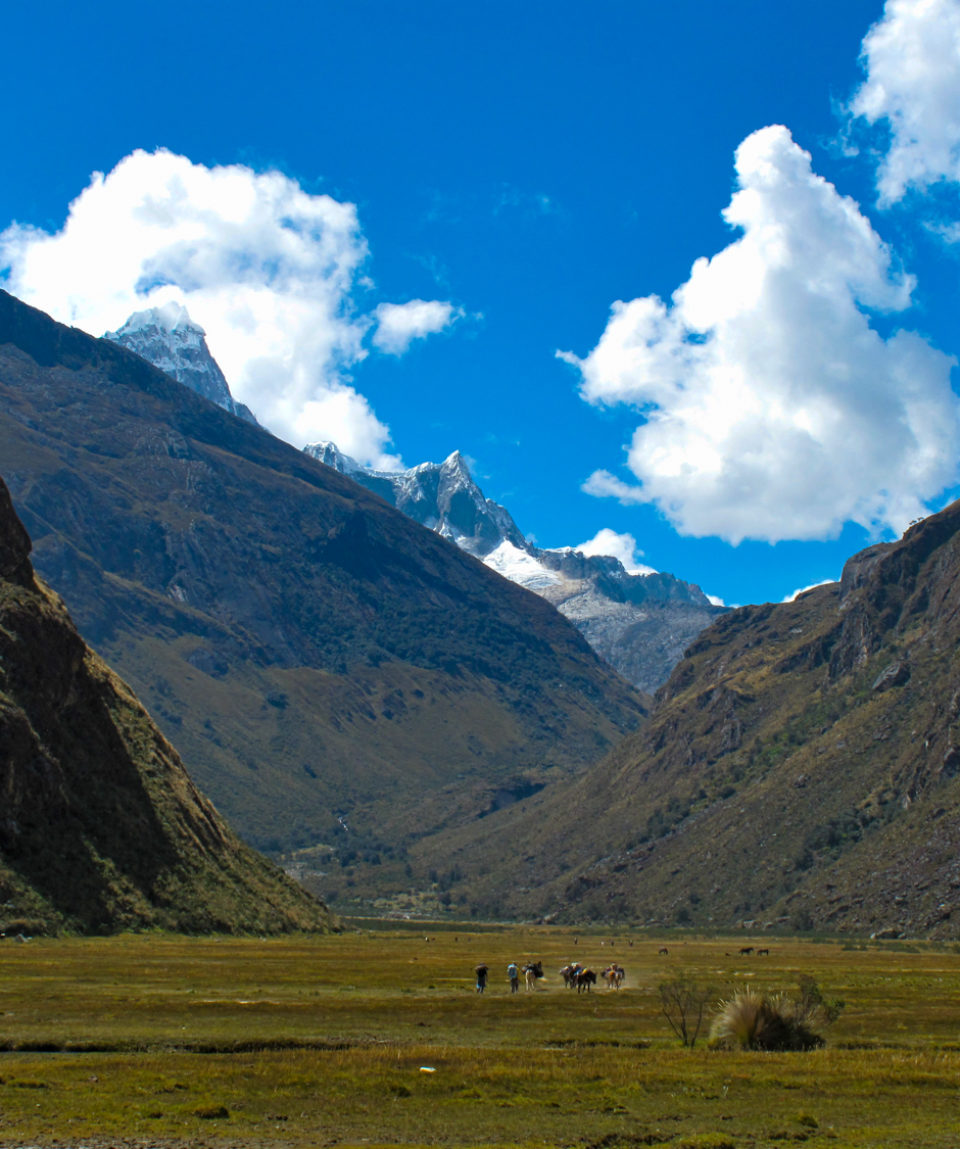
(101, 829)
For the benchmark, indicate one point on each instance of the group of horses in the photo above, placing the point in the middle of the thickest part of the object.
(582, 979)
(575, 976)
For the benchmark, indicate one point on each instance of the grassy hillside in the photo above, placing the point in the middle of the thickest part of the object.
(800, 769)
(320, 660)
(101, 828)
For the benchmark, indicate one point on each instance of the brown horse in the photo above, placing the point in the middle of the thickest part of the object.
(584, 979)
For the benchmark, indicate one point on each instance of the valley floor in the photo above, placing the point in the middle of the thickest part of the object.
(378, 1037)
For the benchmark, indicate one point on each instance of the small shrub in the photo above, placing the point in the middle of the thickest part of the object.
(753, 1021)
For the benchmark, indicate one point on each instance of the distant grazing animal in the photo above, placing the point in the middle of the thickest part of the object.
(585, 979)
(531, 972)
(760, 953)
(746, 949)
(664, 950)
(613, 975)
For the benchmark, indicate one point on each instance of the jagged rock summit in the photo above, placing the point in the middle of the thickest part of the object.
(101, 829)
(639, 621)
(169, 339)
(440, 496)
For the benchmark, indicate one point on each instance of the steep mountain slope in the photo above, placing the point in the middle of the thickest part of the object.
(640, 622)
(100, 827)
(800, 766)
(338, 677)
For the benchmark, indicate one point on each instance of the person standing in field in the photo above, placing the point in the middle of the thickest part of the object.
(481, 978)
(514, 975)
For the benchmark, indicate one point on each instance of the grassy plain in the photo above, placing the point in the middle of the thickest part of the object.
(158, 1040)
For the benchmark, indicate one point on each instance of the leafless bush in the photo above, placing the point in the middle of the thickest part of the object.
(683, 1003)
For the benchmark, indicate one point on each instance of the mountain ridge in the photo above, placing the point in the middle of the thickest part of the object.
(638, 621)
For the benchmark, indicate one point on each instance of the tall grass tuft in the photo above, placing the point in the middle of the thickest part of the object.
(750, 1020)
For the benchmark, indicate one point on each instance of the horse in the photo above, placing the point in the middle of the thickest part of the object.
(585, 979)
(613, 975)
(531, 972)
(569, 972)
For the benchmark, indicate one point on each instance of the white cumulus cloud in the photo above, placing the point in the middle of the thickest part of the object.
(618, 546)
(912, 62)
(771, 407)
(271, 272)
(398, 324)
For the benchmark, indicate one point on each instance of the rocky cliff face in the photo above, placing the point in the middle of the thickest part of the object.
(801, 769)
(101, 829)
(318, 658)
(639, 623)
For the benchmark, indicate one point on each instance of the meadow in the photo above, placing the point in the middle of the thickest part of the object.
(377, 1037)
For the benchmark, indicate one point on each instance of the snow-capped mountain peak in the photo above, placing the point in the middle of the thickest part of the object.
(441, 496)
(331, 454)
(171, 316)
(640, 620)
(168, 338)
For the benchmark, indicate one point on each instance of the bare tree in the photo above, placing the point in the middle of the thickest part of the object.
(683, 1003)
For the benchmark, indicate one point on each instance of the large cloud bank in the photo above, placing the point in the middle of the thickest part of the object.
(772, 408)
(271, 272)
(912, 86)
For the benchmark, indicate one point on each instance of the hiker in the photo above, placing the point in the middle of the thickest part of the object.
(481, 978)
(514, 975)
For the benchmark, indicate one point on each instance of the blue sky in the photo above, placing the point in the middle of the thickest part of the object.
(460, 192)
